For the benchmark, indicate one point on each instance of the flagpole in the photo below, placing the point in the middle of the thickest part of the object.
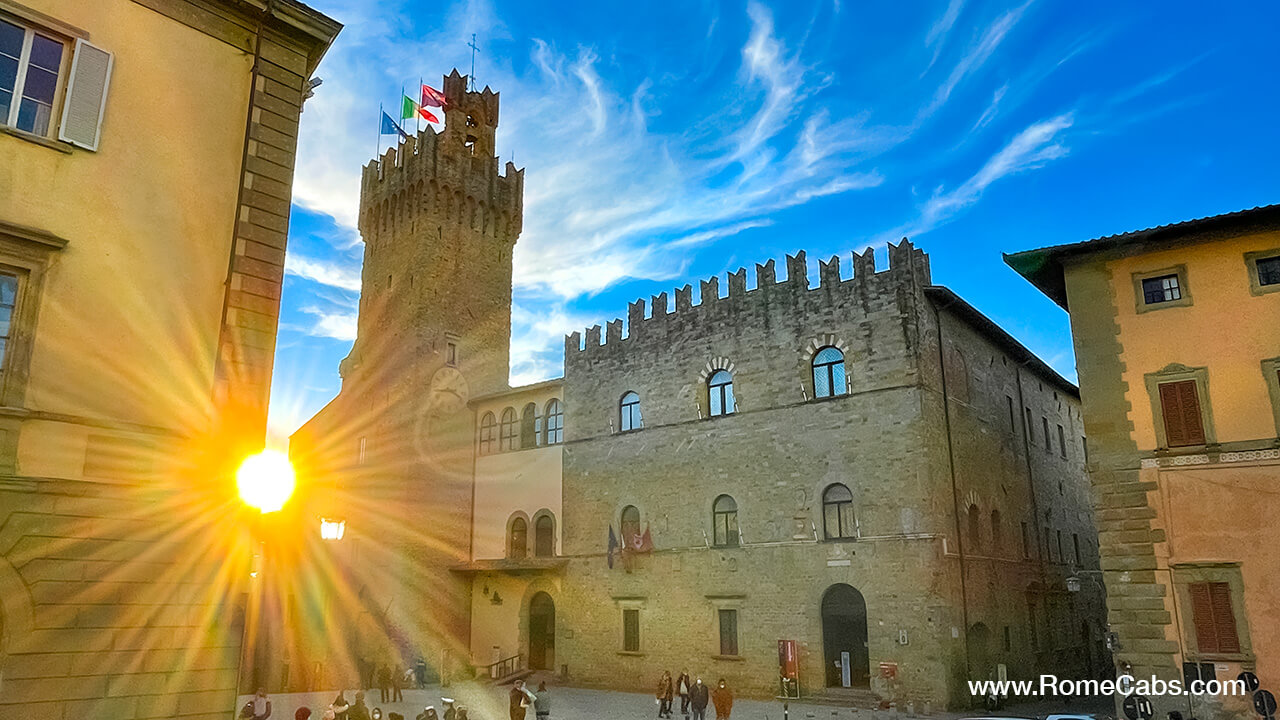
(378, 152)
(418, 120)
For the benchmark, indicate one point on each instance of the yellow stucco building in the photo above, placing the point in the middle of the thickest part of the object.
(1177, 339)
(146, 159)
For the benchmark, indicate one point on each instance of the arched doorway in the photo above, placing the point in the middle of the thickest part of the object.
(542, 632)
(844, 637)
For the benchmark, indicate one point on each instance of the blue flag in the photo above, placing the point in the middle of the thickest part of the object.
(389, 127)
(613, 545)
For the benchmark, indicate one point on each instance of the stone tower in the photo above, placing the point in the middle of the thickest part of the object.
(393, 454)
(439, 224)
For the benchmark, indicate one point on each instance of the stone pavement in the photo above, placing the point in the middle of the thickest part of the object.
(490, 703)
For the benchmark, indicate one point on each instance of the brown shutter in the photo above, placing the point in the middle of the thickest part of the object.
(1180, 406)
(1215, 621)
(1190, 402)
(1202, 618)
(1224, 620)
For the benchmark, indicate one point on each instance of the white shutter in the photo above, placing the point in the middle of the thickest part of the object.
(86, 96)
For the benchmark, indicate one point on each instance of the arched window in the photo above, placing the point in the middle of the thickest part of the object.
(488, 433)
(518, 543)
(630, 525)
(975, 527)
(507, 430)
(828, 373)
(544, 536)
(724, 517)
(997, 531)
(837, 513)
(629, 413)
(529, 426)
(720, 393)
(555, 422)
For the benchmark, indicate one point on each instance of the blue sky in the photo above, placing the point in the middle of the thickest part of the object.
(666, 142)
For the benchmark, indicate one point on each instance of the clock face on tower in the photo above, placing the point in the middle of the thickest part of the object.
(448, 393)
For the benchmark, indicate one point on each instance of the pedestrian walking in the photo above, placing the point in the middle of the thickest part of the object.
(520, 699)
(683, 684)
(397, 684)
(384, 681)
(340, 707)
(699, 695)
(663, 694)
(420, 673)
(428, 713)
(722, 698)
(450, 712)
(542, 702)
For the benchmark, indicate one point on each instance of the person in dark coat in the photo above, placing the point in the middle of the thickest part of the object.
(663, 694)
(520, 700)
(684, 683)
(699, 696)
(397, 684)
(384, 682)
(722, 698)
(359, 711)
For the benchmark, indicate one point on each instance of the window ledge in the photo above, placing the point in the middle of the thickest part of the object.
(37, 139)
(729, 658)
(840, 540)
(1240, 657)
(631, 653)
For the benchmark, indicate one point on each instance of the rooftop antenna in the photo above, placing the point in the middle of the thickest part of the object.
(472, 77)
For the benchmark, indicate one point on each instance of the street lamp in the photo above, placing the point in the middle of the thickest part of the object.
(266, 480)
(332, 529)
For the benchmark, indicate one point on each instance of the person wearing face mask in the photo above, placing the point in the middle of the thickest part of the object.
(699, 695)
(683, 684)
(722, 698)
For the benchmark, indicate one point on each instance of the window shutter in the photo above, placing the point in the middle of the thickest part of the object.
(1202, 617)
(1180, 405)
(86, 96)
(1190, 401)
(1224, 620)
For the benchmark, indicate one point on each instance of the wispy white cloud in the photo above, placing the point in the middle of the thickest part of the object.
(340, 325)
(990, 113)
(941, 28)
(325, 272)
(1035, 146)
(976, 56)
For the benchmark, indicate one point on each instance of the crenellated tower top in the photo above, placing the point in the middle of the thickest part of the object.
(439, 219)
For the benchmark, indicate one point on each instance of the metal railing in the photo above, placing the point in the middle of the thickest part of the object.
(502, 668)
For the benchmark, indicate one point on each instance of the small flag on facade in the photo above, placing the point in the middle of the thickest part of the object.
(389, 127)
(432, 97)
(613, 545)
(646, 541)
